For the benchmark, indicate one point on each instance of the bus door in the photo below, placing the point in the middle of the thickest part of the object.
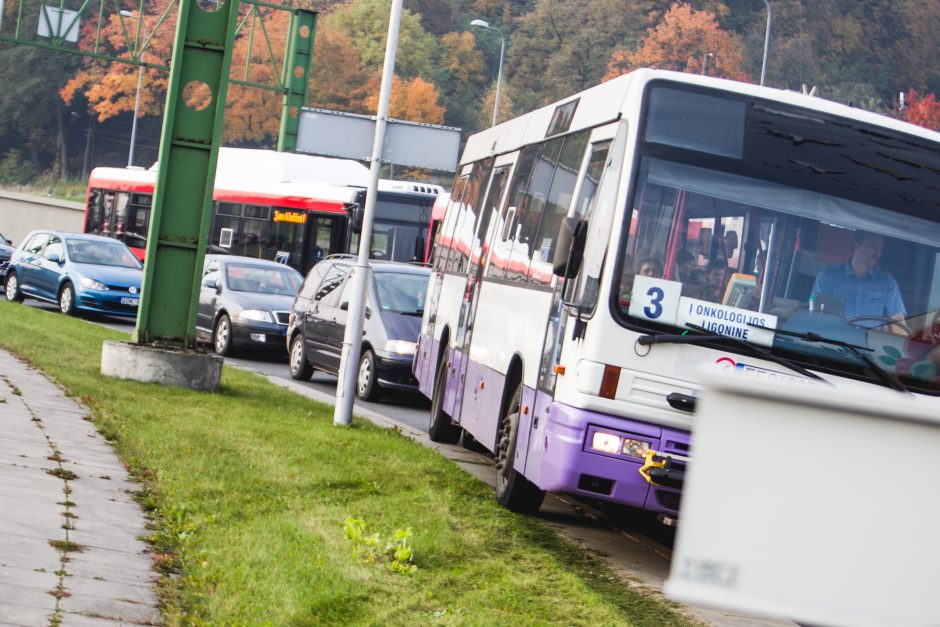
(477, 261)
(323, 236)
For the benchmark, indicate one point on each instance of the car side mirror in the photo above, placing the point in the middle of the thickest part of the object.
(569, 249)
(368, 313)
(56, 258)
(344, 306)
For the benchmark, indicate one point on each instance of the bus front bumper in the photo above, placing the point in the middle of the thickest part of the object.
(650, 479)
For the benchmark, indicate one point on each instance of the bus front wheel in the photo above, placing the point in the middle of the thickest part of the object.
(441, 428)
(513, 491)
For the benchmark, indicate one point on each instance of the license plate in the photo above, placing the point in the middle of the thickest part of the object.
(129, 301)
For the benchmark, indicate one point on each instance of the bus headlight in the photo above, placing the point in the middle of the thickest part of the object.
(92, 284)
(256, 314)
(401, 347)
(618, 445)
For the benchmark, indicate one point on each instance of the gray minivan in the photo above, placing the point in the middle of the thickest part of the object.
(394, 306)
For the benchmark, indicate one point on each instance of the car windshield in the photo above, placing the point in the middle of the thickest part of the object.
(401, 292)
(262, 280)
(820, 251)
(102, 253)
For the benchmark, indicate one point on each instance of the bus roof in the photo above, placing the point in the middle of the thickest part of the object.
(269, 177)
(614, 99)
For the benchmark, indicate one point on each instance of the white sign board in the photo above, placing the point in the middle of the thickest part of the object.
(350, 136)
(659, 300)
(59, 23)
(815, 504)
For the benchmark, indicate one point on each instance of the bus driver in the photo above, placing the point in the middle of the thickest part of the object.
(866, 291)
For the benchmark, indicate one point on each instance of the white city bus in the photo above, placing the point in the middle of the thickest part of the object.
(598, 252)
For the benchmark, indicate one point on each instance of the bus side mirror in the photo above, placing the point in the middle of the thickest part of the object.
(356, 215)
(569, 250)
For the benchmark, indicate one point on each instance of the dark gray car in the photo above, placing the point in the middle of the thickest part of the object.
(245, 302)
(6, 251)
(394, 306)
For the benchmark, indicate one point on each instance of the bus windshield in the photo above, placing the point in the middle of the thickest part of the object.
(765, 243)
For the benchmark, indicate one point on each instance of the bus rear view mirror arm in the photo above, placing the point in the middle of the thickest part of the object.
(569, 249)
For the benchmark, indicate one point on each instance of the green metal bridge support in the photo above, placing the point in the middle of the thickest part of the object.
(192, 128)
(296, 76)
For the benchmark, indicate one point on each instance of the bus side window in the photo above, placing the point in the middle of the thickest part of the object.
(558, 201)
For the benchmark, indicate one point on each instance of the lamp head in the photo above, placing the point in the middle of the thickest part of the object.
(482, 23)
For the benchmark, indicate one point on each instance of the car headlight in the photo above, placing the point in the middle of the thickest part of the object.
(92, 284)
(617, 445)
(401, 347)
(256, 314)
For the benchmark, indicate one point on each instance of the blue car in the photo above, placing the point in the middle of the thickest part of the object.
(81, 273)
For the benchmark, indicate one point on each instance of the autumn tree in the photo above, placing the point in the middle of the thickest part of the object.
(253, 114)
(922, 110)
(680, 42)
(111, 88)
(412, 99)
(337, 79)
(563, 46)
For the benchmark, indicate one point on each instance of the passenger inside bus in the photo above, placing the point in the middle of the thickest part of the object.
(869, 296)
(650, 266)
(715, 273)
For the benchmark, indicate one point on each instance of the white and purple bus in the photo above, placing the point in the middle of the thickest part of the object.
(598, 252)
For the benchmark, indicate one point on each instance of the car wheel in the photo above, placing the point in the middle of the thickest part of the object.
(300, 368)
(513, 491)
(441, 429)
(367, 385)
(67, 299)
(222, 335)
(12, 288)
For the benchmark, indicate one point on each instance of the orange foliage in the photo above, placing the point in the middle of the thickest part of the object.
(252, 114)
(111, 88)
(922, 110)
(461, 58)
(338, 80)
(680, 42)
(415, 100)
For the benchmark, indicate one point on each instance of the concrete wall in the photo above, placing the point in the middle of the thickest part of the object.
(21, 213)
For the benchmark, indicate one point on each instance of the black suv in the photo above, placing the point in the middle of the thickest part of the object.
(394, 306)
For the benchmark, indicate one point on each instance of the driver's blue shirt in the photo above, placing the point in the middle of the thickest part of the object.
(875, 294)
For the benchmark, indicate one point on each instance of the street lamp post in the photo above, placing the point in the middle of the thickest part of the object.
(140, 71)
(499, 72)
(705, 58)
(763, 67)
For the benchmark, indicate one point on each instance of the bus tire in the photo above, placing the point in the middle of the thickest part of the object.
(300, 368)
(441, 429)
(513, 491)
(12, 288)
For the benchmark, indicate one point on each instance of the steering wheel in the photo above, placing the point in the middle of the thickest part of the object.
(377, 254)
(885, 320)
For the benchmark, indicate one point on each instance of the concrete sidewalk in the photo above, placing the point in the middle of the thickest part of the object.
(69, 527)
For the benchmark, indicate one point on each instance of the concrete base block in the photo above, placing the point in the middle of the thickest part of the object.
(185, 369)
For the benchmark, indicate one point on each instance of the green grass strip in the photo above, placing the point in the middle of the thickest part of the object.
(250, 487)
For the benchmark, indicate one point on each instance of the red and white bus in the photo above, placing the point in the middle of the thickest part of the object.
(279, 206)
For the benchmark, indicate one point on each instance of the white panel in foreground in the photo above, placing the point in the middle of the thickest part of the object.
(816, 504)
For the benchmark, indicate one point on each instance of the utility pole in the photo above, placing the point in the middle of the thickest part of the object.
(352, 340)
(763, 68)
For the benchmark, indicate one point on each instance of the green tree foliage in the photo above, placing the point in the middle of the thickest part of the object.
(366, 24)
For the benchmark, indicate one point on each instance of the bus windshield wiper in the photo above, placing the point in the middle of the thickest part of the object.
(860, 352)
(665, 338)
